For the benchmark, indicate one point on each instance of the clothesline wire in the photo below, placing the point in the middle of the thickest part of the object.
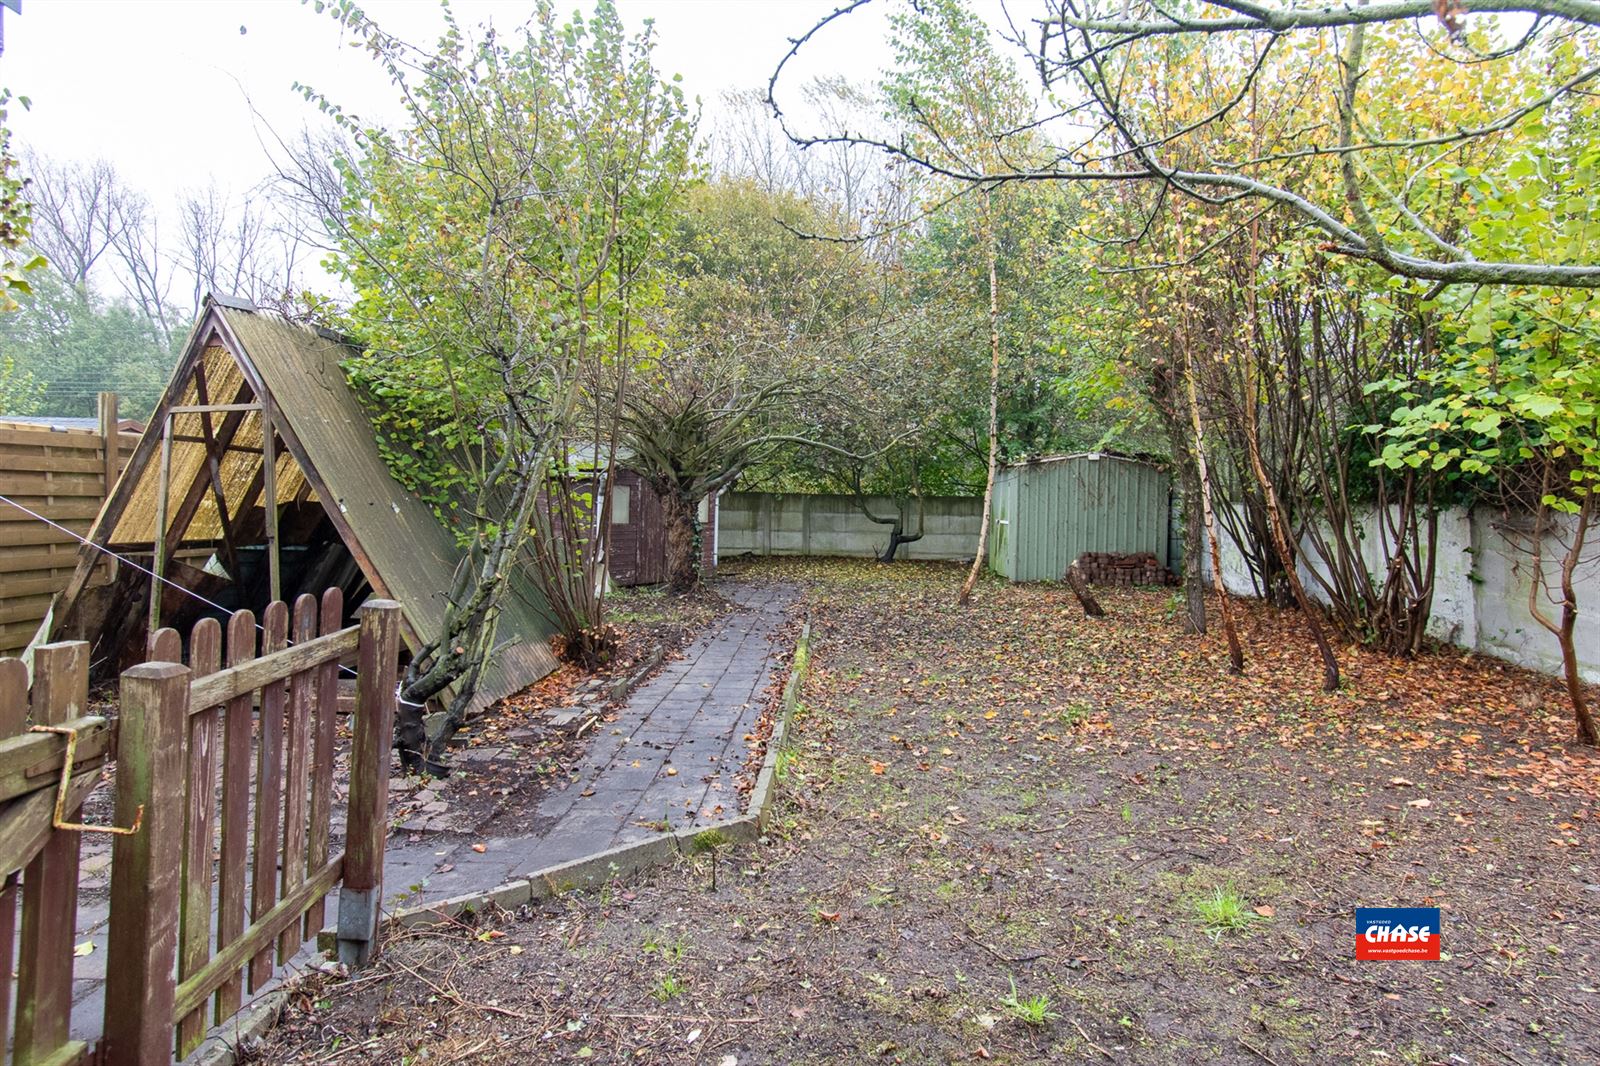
(191, 593)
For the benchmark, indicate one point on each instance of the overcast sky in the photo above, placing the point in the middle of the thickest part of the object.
(175, 91)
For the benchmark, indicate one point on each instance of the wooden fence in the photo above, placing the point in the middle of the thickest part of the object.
(231, 855)
(65, 476)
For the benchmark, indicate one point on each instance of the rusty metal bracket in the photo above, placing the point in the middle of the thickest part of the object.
(59, 821)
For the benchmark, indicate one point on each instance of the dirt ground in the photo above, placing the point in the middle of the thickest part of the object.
(1007, 833)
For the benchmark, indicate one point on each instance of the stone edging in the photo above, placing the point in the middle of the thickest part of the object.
(623, 686)
(627, 859)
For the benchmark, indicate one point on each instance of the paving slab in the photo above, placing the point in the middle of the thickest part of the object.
(691, 717)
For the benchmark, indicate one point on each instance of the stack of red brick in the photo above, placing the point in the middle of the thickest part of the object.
(1115, 568)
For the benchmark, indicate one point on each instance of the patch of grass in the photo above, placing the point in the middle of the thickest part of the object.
(668, 950)
(1225, 911)
(1032, 1010)
(668, 987)
(1073, 715)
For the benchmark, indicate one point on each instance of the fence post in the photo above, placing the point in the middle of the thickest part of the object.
(145, 893)
(367, 821)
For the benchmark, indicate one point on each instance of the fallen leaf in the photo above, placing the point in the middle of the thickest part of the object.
(1266, 910)
(85, 948)
(878, 767)
(1419, 803)
(480, 848)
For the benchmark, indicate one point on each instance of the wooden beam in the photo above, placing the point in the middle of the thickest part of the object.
(105, 523)
(159, 563)
(214, 465)
(191, 994)
(218, 688)
(214, 408)
(269, 499)
(197, 489)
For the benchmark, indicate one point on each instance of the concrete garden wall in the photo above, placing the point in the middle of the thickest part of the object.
(1481, 590)
(769, 523)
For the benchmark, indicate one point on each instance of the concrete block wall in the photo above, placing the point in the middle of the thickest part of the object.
(1481, 589)
(768, 523)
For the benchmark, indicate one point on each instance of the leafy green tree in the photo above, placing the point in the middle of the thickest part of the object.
(1515, 406)
(501, 244)
(77, 343)
(759, 329)
(963, 106)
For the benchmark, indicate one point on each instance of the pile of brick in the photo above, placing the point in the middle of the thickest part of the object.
(1116, 568)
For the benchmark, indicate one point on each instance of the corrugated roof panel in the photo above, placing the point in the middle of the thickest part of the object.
(406, 552)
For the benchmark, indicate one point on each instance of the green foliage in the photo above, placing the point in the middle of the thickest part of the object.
(1223, 910)
(15, 218)
(1032, 1010)
(72, 345)
(20, 391)
(1520, 386)
(503, 237)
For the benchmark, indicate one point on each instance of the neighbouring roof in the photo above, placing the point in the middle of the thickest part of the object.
(64, 422)
(1092, 456)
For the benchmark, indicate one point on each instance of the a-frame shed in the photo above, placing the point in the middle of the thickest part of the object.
(257, 477)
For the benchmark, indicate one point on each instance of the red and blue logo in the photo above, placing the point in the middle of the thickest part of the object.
(1390, 933)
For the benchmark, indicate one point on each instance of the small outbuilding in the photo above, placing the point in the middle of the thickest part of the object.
(1049, 511)
(258, 477)
(636, 552)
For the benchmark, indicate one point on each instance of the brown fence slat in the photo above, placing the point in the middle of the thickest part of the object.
(8, 941)
(145, 890)
(324, 735)
(50, 884)
(13, 697)
(234, 865)
(297, 753)
(269, 787)
(13, 720)
(194, 928)
(164, 646)
(262, 932)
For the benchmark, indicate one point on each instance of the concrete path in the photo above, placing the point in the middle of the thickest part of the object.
(669, 760)
(671, 756)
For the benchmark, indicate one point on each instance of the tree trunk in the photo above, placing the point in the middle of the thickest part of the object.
(1582, 716)
(683, 541)
(994, 411)
(897, 538)
(1194, 545)
(1203, 475)
(1569, 621)
(1080, 588)
(1280, 540)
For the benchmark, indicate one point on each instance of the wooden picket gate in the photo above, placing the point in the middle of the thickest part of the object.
(199, 774)
(31, 785)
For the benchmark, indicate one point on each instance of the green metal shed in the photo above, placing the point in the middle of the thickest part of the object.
(1049, 511)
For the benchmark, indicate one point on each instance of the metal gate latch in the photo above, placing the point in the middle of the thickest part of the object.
(59, 821)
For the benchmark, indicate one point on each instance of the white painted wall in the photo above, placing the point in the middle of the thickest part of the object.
(1480, 590)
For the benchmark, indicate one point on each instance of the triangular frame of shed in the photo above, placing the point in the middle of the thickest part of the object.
(243, 370)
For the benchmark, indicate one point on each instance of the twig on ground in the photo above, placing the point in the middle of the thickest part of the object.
(1090, 1042)
(1003, 958)
(1257, 1052)
(457, 999)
